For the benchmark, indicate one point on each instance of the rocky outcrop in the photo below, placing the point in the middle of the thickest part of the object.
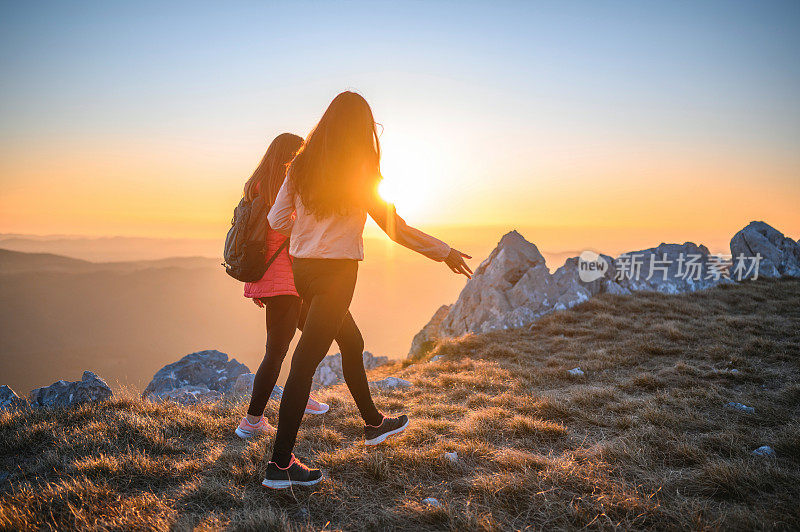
(89, 389)
(498, 288)
(779, 255)
(513, 287)
(9, 400)
(329, 371)
(204, 375)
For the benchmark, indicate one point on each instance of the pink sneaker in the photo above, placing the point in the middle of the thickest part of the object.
(247, 430)
(315, 407)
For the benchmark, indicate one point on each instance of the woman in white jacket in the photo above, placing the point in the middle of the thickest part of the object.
(330, 188)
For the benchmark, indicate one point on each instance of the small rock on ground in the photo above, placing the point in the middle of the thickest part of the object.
(391, 383)
(453, 457)
(740, 407)
(576, 372)
(430, 501)
(764, 450)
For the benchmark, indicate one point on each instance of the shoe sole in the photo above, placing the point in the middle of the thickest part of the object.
(382, 437)
(247, 435)
(243, 435)
(310, 411)
(283, 484)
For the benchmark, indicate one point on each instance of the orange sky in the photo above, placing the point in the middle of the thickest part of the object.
(657, 119)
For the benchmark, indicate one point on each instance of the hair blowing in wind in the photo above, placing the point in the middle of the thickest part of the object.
(268, 176)
(339, 163)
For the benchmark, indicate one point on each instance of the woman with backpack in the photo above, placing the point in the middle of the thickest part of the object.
(323, 204)
(275, 291)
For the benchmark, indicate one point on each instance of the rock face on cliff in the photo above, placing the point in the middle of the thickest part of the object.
(513, 287)
(780, 255)
(89, 389)
(329, 371)
(204, 375)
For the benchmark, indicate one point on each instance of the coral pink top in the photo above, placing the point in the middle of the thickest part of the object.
(278, 279)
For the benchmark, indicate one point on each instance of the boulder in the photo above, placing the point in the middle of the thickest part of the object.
(209, 369)
(89, 389)
(487, 302)
(9, 400)
(764, 450)
(329, 371)
(740, 407)
(432, 502)
(390, 383)
(780, 255)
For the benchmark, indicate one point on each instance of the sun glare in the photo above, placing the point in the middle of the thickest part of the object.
(412, 174)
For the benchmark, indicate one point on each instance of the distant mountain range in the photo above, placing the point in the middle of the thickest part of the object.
(20, 262)
(113, 248)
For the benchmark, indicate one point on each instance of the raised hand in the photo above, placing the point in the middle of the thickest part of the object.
(455, 261)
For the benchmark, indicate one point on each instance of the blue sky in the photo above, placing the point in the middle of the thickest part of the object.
(494, 95)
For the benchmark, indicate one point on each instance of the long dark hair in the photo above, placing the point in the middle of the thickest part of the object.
(339, 162)
(271, 171)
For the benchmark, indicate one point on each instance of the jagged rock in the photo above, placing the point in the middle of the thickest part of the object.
(10, 400)
(764, 450)
(667, 268)
(425, 337)
(390, 383)
(243, 387)
(576, 372)
(188, 395)
(210, 369)
(780, 255)
(329, 371)
(89, 389)
(741, 408)
(512, 288)
(487, 301)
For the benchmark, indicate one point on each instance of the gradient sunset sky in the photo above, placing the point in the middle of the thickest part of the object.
(145, 118)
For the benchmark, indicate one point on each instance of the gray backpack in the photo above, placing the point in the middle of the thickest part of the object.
(246, 244)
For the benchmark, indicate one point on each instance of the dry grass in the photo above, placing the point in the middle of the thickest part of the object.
(641, 441)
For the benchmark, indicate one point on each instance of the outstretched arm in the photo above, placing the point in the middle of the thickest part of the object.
(280, 214)
(398, 230)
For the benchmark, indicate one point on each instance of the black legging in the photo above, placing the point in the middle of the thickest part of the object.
(326, 286)
(282, 318)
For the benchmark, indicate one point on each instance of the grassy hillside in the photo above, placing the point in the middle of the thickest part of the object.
(643, 440)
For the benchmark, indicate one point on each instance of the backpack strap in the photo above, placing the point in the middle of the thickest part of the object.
(275, 255)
